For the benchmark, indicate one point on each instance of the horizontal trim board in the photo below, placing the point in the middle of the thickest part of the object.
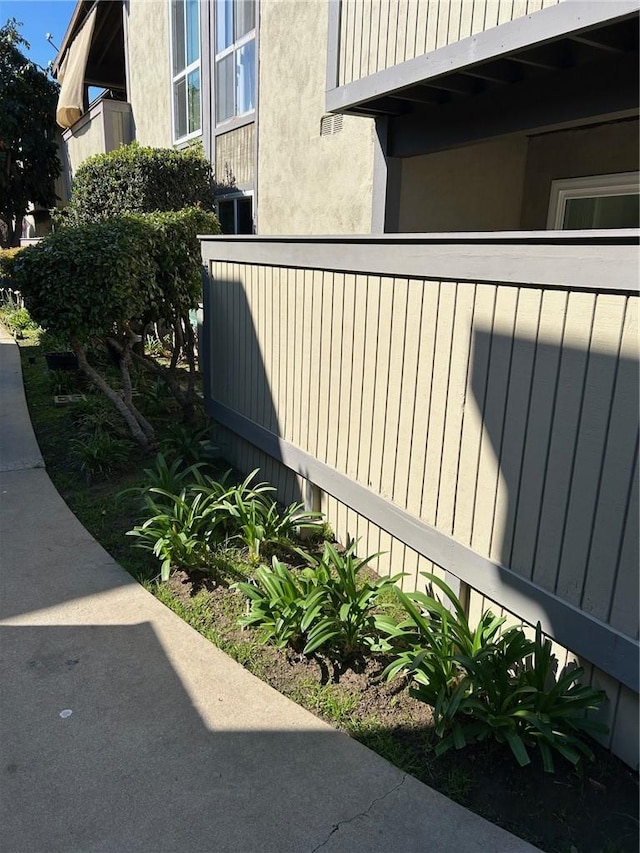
(610, 650)
(571, 16)
(537, 260)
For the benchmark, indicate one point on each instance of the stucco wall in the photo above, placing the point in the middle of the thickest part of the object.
(149, 83)
(598, 150)
(307, 184)
(477, 188)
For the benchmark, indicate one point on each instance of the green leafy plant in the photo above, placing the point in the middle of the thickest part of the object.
(92, 414)
(528, 706)
(138, 179)
(181, 528)
(156, 395)
(346, 619)
(259, 520)
(171, 476)
(185, 443)
(99, 453)
(282, 604)
(489, 683)
(20, 320)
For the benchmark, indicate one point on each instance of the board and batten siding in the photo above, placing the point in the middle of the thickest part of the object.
(378, 34)
(487, 429)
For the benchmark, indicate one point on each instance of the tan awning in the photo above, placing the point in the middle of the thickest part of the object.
(72, 72)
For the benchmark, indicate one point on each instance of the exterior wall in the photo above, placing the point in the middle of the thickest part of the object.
(106, 126)
(598, 150)
(235, 151)
(503, 417)
(307, 184)
(377, 34)
(147, 37)
(475, 188)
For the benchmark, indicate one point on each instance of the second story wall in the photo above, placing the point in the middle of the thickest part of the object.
(308, 183)
(377, 34)
(149, 85)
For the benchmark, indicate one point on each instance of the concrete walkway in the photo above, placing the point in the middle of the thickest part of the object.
(124, 731)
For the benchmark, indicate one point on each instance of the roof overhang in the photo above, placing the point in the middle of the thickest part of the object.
(567, 36)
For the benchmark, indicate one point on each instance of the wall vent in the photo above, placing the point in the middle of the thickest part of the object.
(330, 124)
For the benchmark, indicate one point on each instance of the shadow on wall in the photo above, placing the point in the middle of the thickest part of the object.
(563, 424)
(239, 378)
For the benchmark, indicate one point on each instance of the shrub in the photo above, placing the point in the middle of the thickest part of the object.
(490, 683)
(99, 453)
(346, 619)
(282, 604)
(98, 281)
(7, 260)
(133, 179)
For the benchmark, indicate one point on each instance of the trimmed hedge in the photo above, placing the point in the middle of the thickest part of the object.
(134, 179)
(84, 282)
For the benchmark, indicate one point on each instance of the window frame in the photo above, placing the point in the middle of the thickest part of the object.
(188, 69)
(231, 50)
(234, 196)
(591, 186)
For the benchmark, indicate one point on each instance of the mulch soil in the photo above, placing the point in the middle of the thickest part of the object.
(592, 810)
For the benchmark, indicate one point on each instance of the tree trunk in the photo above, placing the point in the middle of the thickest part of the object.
(127, 391)
(144, 442)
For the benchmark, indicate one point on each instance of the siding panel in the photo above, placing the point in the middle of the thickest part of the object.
(503, 415)
(378, 34)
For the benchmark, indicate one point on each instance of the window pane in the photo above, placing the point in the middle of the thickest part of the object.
(226, 217)
(245, 17)
(224, 24)
(180, 108)
(620, 211)
(177, 33)
(245, 76)
(193, 96)
(193, 32)
(224, 88)
(245, 216)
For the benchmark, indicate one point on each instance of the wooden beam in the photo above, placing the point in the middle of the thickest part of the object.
(599, 91)
(499, 71)
(458, 84)
(598, 41)
(550, 57)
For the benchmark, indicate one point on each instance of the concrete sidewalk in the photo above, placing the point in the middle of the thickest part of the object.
(124, 731)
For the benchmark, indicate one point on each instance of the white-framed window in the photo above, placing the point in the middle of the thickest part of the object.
(185, 69)
(597, 201)
(235, 213)
(235, 58)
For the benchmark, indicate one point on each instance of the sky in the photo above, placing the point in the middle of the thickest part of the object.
(39, 18)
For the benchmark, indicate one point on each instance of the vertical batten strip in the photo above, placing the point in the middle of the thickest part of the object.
(520, 542)
(390, 429)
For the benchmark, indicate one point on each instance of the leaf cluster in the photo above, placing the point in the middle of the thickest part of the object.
(490, 683)
(85, 282)
(29, 163)
(134, 179)
(189, 514)
(325, 605)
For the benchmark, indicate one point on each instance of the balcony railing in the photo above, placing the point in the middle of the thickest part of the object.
(105, 126)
